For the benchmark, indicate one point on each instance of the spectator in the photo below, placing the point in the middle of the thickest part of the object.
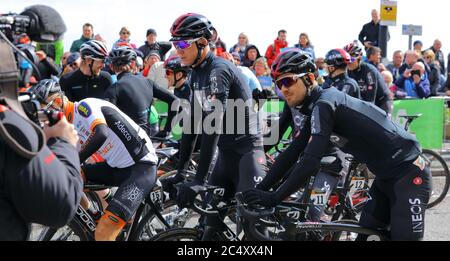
(151, 44)
(73, 63)
(63, 61)
(305, 45)
(251, 54)
(436, 48)
(434, 75)
(241, 46)
(321, 68)
(220, 45)
(100, 38)
(249, 76)
(54, 50)
(370, 31)
(275, 49)
(124, 39)
(417, 46)
(397, 59)
(389, 80)
(410, 59)
(415, 82)
(88, 33)
(157, 73)
(262, 72)
(374, 56)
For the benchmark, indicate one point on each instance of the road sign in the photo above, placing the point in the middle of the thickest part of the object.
(409, 29)
(388, 13)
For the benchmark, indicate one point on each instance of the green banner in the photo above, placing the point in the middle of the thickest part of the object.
(429, 128)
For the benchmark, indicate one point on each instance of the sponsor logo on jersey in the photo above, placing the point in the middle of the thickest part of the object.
(84, 109)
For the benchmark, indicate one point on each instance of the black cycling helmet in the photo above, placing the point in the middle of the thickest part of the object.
(338, 58)
(191, 26)
(293, 61)
(353, 50)
(45, 88)
(122, 56)
(174, 63)
(93, 49)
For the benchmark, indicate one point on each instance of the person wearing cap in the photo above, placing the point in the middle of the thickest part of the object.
(151, 44)
(73, 63)
(156, 72)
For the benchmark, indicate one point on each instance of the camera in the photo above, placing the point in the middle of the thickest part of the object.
(33, 111)
(415, 72)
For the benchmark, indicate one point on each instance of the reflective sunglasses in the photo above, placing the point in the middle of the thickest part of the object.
(169, 72)
(288, 81)
(181, 45)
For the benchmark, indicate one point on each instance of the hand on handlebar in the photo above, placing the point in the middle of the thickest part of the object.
(168, 184)
(186, 195)
(256, 196)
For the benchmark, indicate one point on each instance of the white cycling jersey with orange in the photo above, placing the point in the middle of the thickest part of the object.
(127, 143)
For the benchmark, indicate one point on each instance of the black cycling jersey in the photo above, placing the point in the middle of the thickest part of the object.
(134, 96)
(372, 86)
(184, 92)
(345, 84)
(45, 189)
(217, 80)
(356, 127)
(78, 86)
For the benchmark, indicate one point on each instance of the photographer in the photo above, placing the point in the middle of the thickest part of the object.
(40, 178)
(414, 82)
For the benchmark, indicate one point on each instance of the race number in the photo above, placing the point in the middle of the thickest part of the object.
(357, 184)
(318, 197)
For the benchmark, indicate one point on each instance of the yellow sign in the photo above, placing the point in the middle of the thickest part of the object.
(388, 12)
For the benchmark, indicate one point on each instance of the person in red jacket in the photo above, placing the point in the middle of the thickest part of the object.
(275, 49)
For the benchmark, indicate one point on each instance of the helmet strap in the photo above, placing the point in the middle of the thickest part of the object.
(200, 48)
(90, 68)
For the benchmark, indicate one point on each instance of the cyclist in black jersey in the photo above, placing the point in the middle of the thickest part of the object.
(327, 179)
(337, 61)
(216, 84)
(176, 75)
(134, 94)
(401, 189)
(371, 83)
(89, 80)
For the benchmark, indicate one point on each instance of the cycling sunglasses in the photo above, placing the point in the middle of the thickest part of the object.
(169, 72)
(288, 81)
(181, 45)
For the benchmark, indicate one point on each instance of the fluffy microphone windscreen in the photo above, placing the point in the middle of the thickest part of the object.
(46, 23)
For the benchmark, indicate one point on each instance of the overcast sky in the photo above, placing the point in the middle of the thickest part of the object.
(329, 23)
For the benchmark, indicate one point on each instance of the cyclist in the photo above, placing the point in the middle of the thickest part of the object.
(89, 80)
(134, 94)
(337, 61)
(327, 179)
(215, 84)
(371, 83)
(401, 189)
(128, 153)
(176, 75)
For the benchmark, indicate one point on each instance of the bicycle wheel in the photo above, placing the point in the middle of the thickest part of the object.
(342, 230)
(179, 234)
(440, 176)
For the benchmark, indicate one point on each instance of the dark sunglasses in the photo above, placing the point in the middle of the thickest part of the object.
(169, 72)
(181, 45)
(288, 81)
(124, 32)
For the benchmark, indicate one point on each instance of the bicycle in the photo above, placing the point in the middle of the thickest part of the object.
(438, 167)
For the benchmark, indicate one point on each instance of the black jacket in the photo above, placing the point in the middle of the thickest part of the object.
(370, 32)
(161, 47)
(45, 189)
(78, 86)
(134, 96)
